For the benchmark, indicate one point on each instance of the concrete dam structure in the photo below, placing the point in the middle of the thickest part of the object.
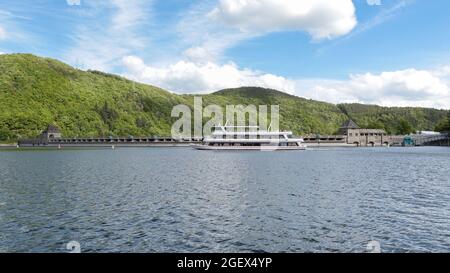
(349, 135)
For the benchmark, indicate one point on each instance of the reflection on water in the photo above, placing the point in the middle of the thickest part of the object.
(183, 200)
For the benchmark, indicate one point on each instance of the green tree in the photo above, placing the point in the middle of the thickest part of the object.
(35, 92)
(376, 125)
(404, 127)
(5, 134)
(447, 128)
(108, 114)
(444, 124)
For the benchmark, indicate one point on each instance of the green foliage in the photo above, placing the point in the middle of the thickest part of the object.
(448, 123)
(35, 92)
(404, 127)
(447, 127)
(6, 135)
(299, 115)
(367, 116)
(108, 114)
(376, 124)
(444, 124)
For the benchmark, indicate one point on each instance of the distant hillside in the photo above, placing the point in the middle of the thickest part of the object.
(35, 92)
(300, 115)
(372, 116)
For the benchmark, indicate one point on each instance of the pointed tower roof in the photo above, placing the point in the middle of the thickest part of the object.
(349, 124)
(52, 129)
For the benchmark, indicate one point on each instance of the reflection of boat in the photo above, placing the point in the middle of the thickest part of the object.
(249, 138)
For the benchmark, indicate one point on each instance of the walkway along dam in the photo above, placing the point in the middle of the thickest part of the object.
(349, 135)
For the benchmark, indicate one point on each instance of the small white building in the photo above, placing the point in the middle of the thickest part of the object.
(428, 133)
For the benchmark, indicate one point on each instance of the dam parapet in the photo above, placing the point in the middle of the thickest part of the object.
(349, 135)
(52, 137)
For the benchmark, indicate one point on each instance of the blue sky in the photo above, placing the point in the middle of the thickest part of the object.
(388, 52)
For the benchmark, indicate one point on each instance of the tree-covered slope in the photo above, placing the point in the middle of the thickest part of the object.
(300, 115)
(35, 92)
(390, 118)
(444, 124)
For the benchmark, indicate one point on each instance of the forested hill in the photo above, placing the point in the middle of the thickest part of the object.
(35, 92)
(391, 118)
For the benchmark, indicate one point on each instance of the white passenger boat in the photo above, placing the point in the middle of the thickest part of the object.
(249, 138)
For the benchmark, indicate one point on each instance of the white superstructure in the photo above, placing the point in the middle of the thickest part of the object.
(249, 138)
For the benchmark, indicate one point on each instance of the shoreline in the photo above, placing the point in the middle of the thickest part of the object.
(12, 145)
(169, 145)
(313, 146)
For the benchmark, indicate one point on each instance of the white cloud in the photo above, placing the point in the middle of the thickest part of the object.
(206, 39)
(442, 72)
(320, 18)
(198, 54)
(2, 33)
(100, 44)
(212, 27)
(190, 77)
(383, 16)
(408, 87)
(11, 28)
(374, 2)
(201, 68)
(73, 2)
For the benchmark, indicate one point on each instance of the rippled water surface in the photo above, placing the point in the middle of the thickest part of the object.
(183, 200)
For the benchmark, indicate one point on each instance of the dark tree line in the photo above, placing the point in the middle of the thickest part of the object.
(444, 124)
(6, 134)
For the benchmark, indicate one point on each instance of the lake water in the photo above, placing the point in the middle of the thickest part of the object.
(183, 200)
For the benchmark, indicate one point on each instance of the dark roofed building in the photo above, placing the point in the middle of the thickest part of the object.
(349, 124)
(363, 137)
(52, 132)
